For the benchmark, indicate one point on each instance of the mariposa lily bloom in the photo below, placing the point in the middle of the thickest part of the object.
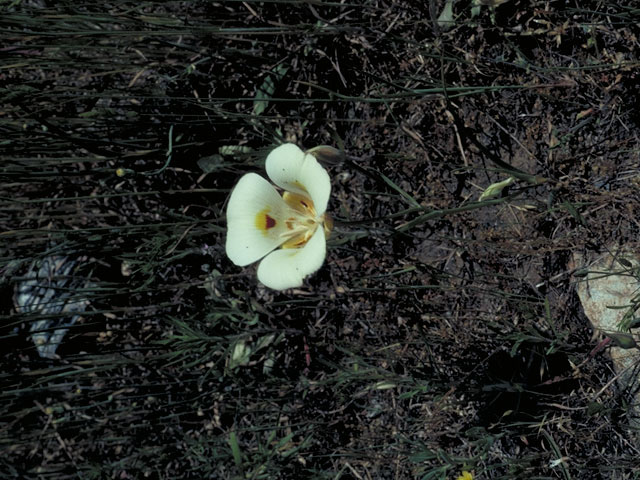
(288, 230)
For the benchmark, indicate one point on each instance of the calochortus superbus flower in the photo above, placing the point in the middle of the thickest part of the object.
(288, 230)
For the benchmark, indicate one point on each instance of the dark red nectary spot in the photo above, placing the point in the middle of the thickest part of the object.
(269, 222)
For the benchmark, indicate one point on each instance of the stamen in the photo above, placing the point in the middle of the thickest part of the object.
(302, 222)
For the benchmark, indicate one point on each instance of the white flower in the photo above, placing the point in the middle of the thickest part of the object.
(259, 220)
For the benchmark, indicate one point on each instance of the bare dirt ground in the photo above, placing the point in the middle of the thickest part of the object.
(442, 334)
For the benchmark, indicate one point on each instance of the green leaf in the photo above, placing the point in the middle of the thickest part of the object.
(573, 212)
(240, 354)
(445, 20)
(211, 163)
(235, 449)
(233, 149)
(268, 87)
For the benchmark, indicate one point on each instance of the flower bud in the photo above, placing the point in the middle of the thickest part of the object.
(623, 340)
(327, 154)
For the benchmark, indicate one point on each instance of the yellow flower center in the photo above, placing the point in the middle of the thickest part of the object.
(297, 224)
(302, 220)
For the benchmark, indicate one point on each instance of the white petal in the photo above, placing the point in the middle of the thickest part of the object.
(287, 267)
(292, 169)
(253, 203)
